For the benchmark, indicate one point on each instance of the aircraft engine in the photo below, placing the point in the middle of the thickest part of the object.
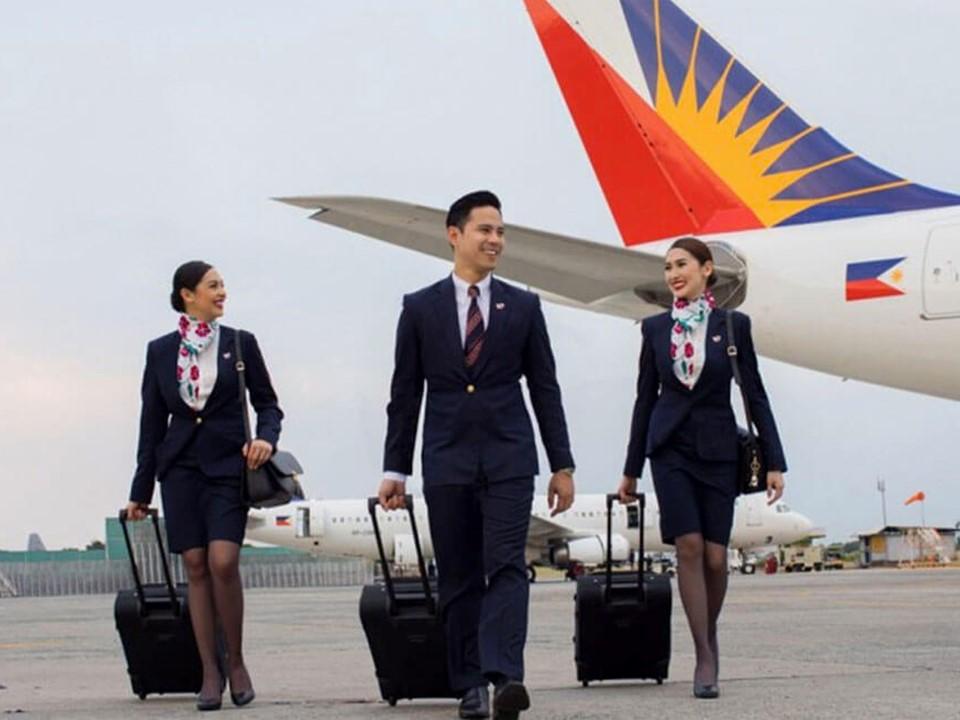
(590, 551)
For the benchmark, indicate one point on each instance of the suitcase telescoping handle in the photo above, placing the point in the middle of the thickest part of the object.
(611, 499)
(372, 505)
(154, 517)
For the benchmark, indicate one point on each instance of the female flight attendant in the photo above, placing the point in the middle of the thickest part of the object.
(683, 421)
(192, 441)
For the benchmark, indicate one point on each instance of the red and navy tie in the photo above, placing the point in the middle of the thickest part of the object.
(474, 340)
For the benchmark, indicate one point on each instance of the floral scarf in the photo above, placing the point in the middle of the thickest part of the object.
(687, 354)
(195, 337)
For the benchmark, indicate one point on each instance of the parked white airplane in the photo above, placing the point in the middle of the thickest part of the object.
(343, 527)
(842, 266)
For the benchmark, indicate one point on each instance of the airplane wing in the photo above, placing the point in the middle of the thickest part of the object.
(544, 530)
(594, 276)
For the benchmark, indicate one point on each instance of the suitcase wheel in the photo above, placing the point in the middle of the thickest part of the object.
(142, 696)
(585, 683)
(392, 701)
(659, 681)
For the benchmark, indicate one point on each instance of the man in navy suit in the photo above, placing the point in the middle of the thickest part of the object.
(471, 337)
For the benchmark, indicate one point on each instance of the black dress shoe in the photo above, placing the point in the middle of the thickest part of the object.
(706, 692)
(509, 699)
(243, 698)
(475, 703)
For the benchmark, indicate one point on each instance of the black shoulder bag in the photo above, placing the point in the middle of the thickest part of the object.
(276, 482)
(751, 466)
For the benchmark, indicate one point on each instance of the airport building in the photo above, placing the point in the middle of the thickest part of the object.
(895, 546)
(33, 573)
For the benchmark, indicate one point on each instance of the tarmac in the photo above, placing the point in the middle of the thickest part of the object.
(844, 644)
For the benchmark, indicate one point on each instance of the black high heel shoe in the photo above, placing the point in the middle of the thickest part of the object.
(205, 704)
(243, 698)
(210, 703)
(706, 692)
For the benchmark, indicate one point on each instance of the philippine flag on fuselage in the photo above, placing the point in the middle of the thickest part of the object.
(875, 279)
(283, 520)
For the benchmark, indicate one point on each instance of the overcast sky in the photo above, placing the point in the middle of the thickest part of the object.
(134, 137)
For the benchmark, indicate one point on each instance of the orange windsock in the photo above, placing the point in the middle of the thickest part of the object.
(916, 497)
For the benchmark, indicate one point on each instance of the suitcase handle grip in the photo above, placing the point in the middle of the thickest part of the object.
(155, 519)
(372, 504)
(611, 499)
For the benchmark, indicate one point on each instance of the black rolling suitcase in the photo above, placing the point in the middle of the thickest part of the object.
(154, 625)
(403, 627)
(622, 619)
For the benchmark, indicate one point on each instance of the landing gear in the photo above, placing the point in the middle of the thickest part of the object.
(531, 574)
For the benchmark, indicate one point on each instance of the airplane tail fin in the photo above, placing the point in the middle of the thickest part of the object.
(686, 140)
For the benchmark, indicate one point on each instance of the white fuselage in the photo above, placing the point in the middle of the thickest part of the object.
(343, 527)
(796, 298)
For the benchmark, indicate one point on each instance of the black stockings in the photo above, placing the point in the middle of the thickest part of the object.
(702, 578)
(216, 592)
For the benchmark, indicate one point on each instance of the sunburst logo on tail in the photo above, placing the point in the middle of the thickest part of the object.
(732, 154)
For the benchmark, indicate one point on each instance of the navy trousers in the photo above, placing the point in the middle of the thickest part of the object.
(479, 534)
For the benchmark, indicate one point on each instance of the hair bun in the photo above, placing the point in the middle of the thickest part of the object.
(187, 277)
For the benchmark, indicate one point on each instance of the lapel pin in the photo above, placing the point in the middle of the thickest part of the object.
(501, 306)
(716, 338)
(226, 356)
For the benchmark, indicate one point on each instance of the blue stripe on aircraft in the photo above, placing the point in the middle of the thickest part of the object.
(740, 81)
(785, 126)
(845, 176)
(639, 16)
(711, 61)
(813, 149)
(899, 199)
(677, 32)
(761, 105)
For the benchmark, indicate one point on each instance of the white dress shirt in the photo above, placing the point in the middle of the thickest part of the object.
(460, 291)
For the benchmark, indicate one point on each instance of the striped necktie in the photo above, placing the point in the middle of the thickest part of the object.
(474, 340)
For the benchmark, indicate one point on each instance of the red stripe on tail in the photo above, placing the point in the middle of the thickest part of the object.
(655, 185)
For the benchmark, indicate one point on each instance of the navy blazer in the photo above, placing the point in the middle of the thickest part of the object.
(664, 403)
(476, 423)
(167, 424)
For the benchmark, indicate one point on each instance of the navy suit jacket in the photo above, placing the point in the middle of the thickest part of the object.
(664, 403)
(167, 424)
(476, 422)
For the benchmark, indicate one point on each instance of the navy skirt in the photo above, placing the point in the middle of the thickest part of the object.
(198, 509)
(694, 495)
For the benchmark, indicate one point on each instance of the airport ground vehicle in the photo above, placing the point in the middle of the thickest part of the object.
(803, 558)
(832, 560)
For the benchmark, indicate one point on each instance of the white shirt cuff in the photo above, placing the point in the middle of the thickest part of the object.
(395, 476)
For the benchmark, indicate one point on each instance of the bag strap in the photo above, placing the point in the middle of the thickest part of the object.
(242, 383)
(735, 365)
